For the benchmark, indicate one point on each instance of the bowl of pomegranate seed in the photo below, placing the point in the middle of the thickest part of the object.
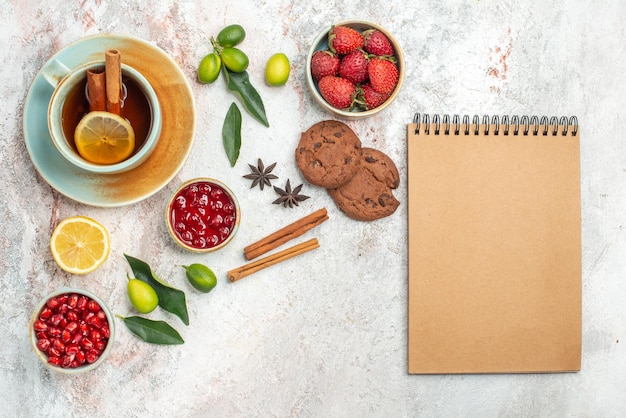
(354, 69)
(203, 215)
(71, 331)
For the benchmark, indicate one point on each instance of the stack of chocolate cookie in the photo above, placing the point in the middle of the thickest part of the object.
(360, 180)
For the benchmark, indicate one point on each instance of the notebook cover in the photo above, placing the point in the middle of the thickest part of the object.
(494, 253)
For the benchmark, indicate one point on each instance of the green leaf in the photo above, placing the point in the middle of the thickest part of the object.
(240, 84)
(231, 133)
(171, 299)
(155, 332)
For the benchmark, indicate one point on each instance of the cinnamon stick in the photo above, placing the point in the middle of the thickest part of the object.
(270, 260)
(285, 234)
(96, 89)
(113, 71)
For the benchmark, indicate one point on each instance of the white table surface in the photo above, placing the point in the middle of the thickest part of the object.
(325, 334)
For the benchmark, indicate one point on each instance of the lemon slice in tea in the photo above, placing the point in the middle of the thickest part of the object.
(79, 244)
(104, 138)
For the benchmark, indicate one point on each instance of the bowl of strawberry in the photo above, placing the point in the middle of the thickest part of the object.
(71, 331)
(354, 69)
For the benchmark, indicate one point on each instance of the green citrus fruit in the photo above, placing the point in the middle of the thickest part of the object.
(142, 296)
(209, 68)
(277, 69)
(231, 35)
(201, 277)
(234, 59)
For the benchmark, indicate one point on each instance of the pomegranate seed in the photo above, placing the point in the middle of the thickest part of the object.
(84, 328)
(52, 303)
(54, 332)
(82, 303)
(43, 344)
(56, 361)
(45, 313)
(72, 349)
(106, 332)
(93, 321)
(67, 361)
(53, 352)
(66, 336)
(41, 335)
(86, 343)
(40, 325)
(55, 319)
(100, 345)
(72, 316)
(95, 335)
(63, 298)
(72, 300)
(72, 326)
(80, 357)
(93, 306)
(77, 337)
(102, 317)
(63, 323)
(92, 356)
(57, 344)
(63, 309)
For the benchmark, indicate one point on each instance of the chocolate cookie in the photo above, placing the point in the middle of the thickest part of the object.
(367, 196)
(328, 154)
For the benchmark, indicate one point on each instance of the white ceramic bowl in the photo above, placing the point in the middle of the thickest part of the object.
(321, 43)
(198, 233)
(86, 366)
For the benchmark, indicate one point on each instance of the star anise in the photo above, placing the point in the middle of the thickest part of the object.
(289, 197)
(261, 175)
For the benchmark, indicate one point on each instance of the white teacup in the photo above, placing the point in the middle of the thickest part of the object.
(66, 81)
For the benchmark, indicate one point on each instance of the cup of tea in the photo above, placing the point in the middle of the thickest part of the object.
(69, 103)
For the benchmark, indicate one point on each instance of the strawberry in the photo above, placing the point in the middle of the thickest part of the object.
(342, 39)
(324, 63)
(370, 98)
(376, 43)
(337, 91)
(383, 74)
(353, 66)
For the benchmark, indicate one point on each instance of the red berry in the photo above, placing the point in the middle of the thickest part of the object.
(342, 39)
(353, 67)
(337, 91)
(370, 98)
(383, 75)
(377, 43)
(324, 63)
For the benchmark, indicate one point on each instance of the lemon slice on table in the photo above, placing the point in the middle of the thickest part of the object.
(104, 138)
(79, 244)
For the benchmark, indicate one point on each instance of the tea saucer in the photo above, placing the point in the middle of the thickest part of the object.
(178, 112)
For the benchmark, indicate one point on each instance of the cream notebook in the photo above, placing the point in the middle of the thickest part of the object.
(494, 250)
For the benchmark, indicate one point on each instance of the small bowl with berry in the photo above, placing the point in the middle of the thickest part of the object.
(71, 331)
(203, 215)
(354, 69)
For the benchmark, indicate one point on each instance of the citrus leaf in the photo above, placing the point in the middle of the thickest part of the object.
(240, 84)
(155, 332)
(171, 299)
(231, 133)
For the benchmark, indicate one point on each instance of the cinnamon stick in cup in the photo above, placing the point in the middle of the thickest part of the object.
(113, 71)
(96, 89)
(285, 234)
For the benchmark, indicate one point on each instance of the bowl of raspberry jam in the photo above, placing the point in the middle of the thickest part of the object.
(71, 331)
(203, 215)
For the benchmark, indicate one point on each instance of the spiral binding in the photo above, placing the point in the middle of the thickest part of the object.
(506, 125)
